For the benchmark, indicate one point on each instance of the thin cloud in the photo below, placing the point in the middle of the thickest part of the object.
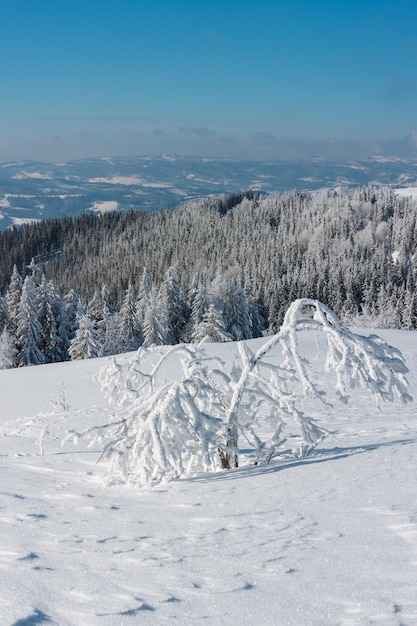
(96, 118)
(131, 133)
(160, 132)
(197, 129)
(264, 137)
(405, 146)
(85, 133)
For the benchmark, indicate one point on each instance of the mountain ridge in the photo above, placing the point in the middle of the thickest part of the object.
(33, 190)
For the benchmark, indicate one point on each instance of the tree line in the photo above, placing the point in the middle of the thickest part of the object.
(39, 325)
(353, 250)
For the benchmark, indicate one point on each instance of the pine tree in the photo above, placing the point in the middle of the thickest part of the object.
(29, 330)
(74, 308)
(98, 310)
(105, 325)
(257, 319)
(115, 340)
(198, 303)
(153, 329)
(173, 308)
(7, 350)
(145, 290)
(211, 328)
(4, 314)
(49, 336)
(13, 295)
(62, 322)
(84, 345)
(238, 321)
(35, 271)
(130, 330)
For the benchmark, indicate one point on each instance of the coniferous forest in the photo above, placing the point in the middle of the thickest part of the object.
(224, 267)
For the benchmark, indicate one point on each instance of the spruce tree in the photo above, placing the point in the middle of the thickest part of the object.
(153, 329)
(13, 295)
(131, 333)
(145, 290)
(4, 314)
(173, 308)
(211, 328)
(8, 352)
(74, 307)
(29, 329)
(84, 345)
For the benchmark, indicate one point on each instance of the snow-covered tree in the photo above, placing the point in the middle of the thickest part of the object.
(198, 303)
(355, 360)
(145, 289)
(167, 429)
(74, 308)
(100, 313)
(53, 318)
(257, 319)
(130, 331)
(13, 294)
(29, 329)
(154, 333)
(172, 307)
(193, 421)
(4, 313)
(84, 345)
(7, 350)
(211, 327)
(237, 314)
(35, 271)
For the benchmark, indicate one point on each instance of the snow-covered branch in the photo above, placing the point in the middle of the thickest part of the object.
(181, 411)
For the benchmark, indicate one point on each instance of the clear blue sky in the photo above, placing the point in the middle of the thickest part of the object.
(264, 79)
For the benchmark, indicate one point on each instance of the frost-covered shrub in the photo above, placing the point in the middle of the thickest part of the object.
(179, 410)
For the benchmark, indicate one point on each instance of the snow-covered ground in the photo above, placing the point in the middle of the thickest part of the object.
(104, 206)
(325, 541)
(407, 192)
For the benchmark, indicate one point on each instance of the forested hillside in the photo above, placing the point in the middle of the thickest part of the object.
(354, 250)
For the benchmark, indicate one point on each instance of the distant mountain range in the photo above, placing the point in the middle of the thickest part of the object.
(32, 190)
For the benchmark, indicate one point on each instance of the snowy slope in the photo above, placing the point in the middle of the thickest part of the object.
(329, 540)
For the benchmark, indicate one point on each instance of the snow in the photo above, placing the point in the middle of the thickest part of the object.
(37, 175)
(5, 202)
(128, 180)
(108, 159)
(117, 180)
(326, 540)
(19, 221)
(406, 192)
(104, 206)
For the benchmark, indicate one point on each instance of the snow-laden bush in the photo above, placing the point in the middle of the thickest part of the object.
(174, 424)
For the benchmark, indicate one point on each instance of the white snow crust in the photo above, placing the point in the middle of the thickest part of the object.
(104, 206)
(407, 191)
(37, 175)
(323, 541)
(127, 180)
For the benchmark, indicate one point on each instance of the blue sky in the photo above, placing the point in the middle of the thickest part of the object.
(270, 79)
